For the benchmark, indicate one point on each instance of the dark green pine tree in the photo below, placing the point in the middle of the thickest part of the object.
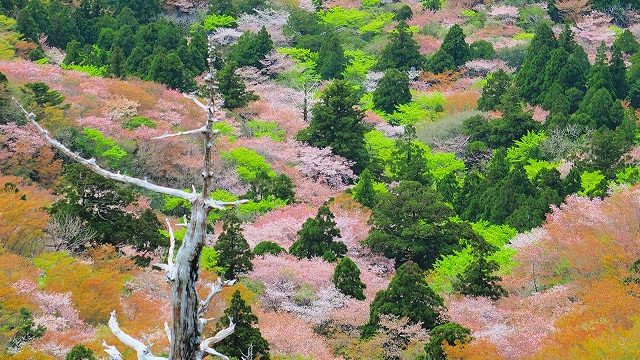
(250, 49)
(600, 75)
(316, 237)
(245, 334)
(80, 352)
(233, 250)
(346, 278)
(478, 279)
(441, 62)
(566, 40)
(392, 90)
(222, 7)
(170, 70)
(530, 77)
(515, 121)
(232, 88)
(27, 25)
(402, 51)
(554, 66)
(450, 332)
(408, 161)
(363, 191)
(455, 45)
(497, 85)
(627, 43)
(408, 295)
(331, 60)
(117, 63)
(618, 70)
(336, 122)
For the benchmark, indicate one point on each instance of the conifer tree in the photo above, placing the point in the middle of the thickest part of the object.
(455, 45)
(363, 191)
(451, 333)
(338, 124)
(331, 60)
(497, 85)
(530, 77)
(80, 352)
(222, 7)
(478, 279)
(232, 88)
(316, 237)
(346, 278)
(117, 63)
(600, 75)
(618, 70)
(392, 90)
(626, 43)
(245, 334)
(408, 295)
(234, 253)
(250, 49)
(441, 62)
(408, 161)
(402, 51)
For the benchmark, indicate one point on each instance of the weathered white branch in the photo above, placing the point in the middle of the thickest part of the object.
(169, 267)
(167, 330)
(181, 133)
(205, 345)
(215, 287)
(143, 351)
(196, 101)
(114, 354)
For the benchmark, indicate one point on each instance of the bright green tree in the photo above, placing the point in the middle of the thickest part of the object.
(346, 278)
(451, 333)
(245, 334)
(392, 90)
(363, 191)
(234, 254)
(408, 161)
(316, 237)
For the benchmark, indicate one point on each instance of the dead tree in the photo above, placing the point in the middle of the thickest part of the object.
(185, 332)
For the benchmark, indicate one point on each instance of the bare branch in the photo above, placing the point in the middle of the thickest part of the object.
(143, 351)
(167, 330)
(181, 133)
(216, 287)
(114, 354)
(195, 100)
(206, 343)
(169, 267)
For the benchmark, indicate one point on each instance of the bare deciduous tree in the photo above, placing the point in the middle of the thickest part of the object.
(573, 9)
(68, 233)
(186, 330)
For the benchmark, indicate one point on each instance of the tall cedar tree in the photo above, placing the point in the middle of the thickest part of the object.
(232, 88)
(117, 63)
(316, 237)
(337, 123)
(251, 49)
(515, 121)
(222, 7)
(363, 191)
(408, 295)
(530, 77)
(412, 222)
(233, 249)
(402, 51)
(331, 60)
(478, 279)
(441, 62)
(626, 43)
(497, 85)
(451, 333)
(346, 278)
(392, 90)
(618, 70)
(455, 45)
(408, 161)
(245, 334)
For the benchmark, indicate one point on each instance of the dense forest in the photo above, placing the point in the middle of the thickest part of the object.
(319, 179)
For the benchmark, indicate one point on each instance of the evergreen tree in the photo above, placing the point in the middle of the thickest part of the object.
(626, 43)
(441, 62)
(27, 25)
(392, 90)
(600, 75)
(245, 334)
(451, 333)
(346, 278)
(170, 70)
(530, 76)
(316, 237)
(515, 122)
(80, 352)
(618, 70)
(363, 191)
(408, 161)
(232, 88)
(497, 85)
(222, 7)
(478, 279)
(402, 51)
(117, 63)
(234, 252)
(403, 13)
(408, 295)
(250, 49)
(337, 123)
(481, 49)
(331, 60)
(455, 45)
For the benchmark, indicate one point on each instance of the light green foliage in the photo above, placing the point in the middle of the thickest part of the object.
(617, 31)
(178, 233)
(209, 259)
(359, 64)
(380, 145)
(214, 21)
(248, 210)
(248, 162)
(8, 37)
(370, 3)
(523, 36)
(496, 235)
(591, 182)
(341, 17)
(306, 62)
(104, 147)
(447, 268)
(441, 164)
(137, 121)
(377, 24)
(261, 128)
(424, 107)
(524, 149)
(92, 70)
(534, 166)
(630, 175)
(224, 128)
(172, 203)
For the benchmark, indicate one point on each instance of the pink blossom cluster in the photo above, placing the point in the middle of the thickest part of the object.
(482, 67)
(21, 140)
(273, 20)
(280, 226)
(315, 272)
(323, 166)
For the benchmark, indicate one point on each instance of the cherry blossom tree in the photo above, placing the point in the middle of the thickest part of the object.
(182, 270)
(323, 166)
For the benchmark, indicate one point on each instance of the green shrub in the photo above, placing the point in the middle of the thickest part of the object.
(248, 162)
(92, 70)
(100, 146)
(268, 247)
(214, 21)
(209, 259)
(137, 121)
(270, 129)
